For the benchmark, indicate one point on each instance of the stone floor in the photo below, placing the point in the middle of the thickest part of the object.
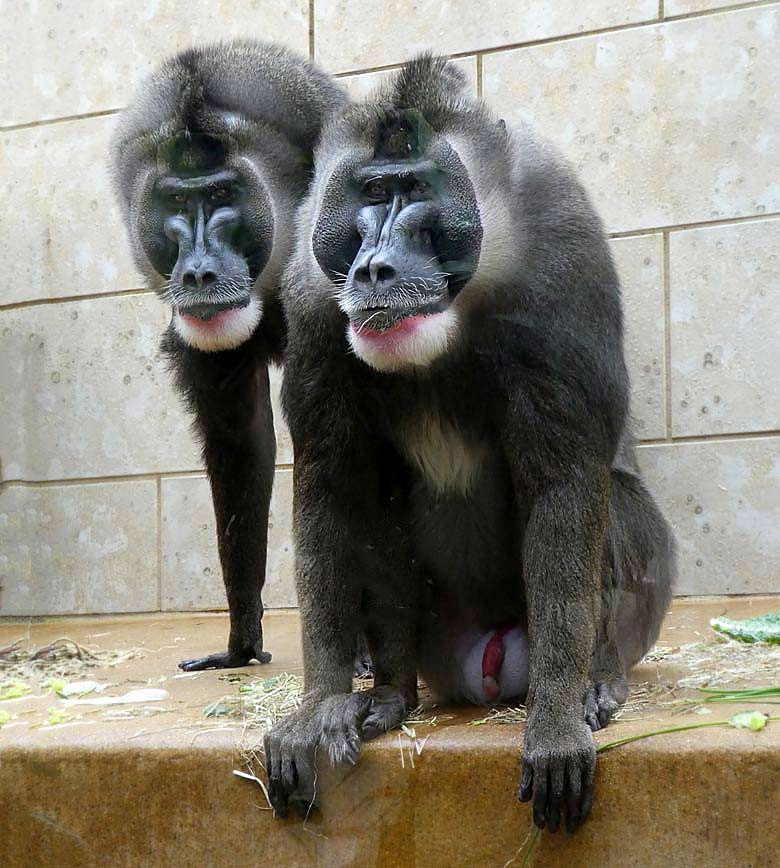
(159, 791)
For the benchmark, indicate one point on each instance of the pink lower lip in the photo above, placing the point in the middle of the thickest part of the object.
(398, 330)
(207, 324)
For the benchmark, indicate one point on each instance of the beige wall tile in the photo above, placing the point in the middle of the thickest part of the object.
(725, 312)
(77, 549)
(86, 393)
(722, 499)
(668, 124)
(191, 573)
(360, 86)
(363, 34)
(62, 233)
(683, 7)
(76, 58)
(284, 450)
(640, 266)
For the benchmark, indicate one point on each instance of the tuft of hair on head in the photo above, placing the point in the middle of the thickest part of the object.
(429, 83)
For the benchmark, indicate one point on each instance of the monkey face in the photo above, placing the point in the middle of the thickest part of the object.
(207, 227)
(400, 232)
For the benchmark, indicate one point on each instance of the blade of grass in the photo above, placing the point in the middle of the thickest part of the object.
(750, 691)
(629, 738)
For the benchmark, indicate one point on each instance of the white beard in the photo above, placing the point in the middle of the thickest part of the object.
(231, 329)
(430, 339)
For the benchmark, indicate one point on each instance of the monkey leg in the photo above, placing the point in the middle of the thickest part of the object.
(390, 634)
(637, 577)
(239, 449)
(364, 667)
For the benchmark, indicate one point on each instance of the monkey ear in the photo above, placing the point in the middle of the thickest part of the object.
(428, 82)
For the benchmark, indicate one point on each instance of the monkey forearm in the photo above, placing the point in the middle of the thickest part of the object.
(562, 560)
(329, 596)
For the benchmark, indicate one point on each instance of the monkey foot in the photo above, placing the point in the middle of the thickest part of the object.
(387, 711)
(364, 668)
(225, 660)
(602, 700)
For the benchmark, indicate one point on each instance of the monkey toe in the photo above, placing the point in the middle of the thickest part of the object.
(591, 709)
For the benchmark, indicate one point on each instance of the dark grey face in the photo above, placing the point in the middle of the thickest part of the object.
(208, 229)
(401, 232)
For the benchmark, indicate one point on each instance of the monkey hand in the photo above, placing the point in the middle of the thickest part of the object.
(559, 764)
(328, 727)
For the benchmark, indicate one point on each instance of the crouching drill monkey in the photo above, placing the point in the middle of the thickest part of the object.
(457, 395)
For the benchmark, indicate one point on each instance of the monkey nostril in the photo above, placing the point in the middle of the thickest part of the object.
(195, 278)
(207, 279)
(385, 274)
(361, 275)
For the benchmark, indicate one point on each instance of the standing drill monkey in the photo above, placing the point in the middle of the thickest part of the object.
(210, 161)
(457, 395)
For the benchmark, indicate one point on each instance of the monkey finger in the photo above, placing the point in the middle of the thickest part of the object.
(288, 771)
(588, 778)
(278, 797)
(555, 797)
(526, 783)
(304, 799)
(272, 756)
(573, 795)
(541, 789)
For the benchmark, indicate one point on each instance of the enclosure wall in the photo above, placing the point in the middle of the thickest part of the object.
(669, 110)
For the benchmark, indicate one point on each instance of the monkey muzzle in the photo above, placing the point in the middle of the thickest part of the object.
(395, 274)
(209, 277)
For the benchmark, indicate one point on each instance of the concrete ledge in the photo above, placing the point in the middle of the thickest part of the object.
(160, 791)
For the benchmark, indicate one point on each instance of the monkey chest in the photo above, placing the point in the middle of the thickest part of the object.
(447, 460)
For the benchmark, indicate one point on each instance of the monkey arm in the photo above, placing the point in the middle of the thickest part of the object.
(353, 566)
(562, 560)
(349, 573)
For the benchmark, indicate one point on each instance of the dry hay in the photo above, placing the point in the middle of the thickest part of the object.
(720, 663)
(62, 658)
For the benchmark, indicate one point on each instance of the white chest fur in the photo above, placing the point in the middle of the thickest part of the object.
(447, 461)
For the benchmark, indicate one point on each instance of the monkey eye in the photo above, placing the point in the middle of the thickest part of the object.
(178, 198)
(419, 190)
(221, 194)
(375, 191)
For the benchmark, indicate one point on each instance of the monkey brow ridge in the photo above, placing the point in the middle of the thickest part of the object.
(174, 183)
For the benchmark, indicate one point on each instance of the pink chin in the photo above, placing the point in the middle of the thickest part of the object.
(403, 328)
(207, 325)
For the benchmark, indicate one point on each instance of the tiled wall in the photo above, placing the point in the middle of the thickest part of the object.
(670, 111)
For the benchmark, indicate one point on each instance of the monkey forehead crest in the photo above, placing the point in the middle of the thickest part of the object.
(402, 134)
